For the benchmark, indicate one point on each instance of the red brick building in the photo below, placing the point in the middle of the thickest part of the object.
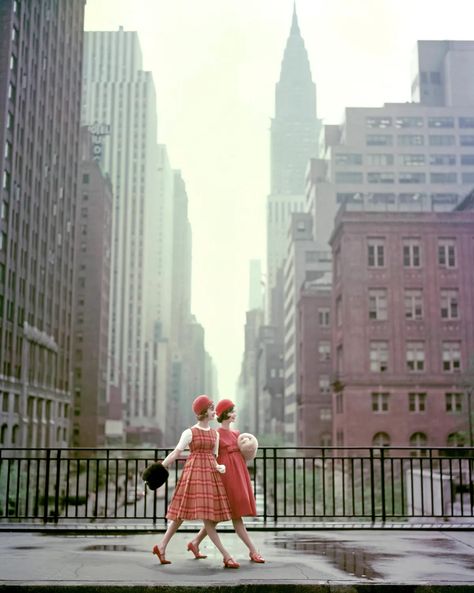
(403, 327)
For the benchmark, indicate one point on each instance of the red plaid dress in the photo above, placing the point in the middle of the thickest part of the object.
(200, 493)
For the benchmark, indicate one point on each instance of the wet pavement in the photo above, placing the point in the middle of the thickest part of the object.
(324, 560)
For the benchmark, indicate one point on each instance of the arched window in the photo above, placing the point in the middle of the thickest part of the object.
(381, 439)
(3, 434)
(456, 439)
(326, 440)
(15, 434)
(418, 439)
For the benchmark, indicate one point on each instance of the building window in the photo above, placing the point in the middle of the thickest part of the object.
(467, 140)
(442, 140)
(339, 403)
(466, 122)
(379, 140)
(413, 303)
(376, 253)
(417, 402)
(412, 160)
(467, 159)
(381, 439)
(380, 177)
(409, 177)
(467, 177)
(339, 311)
(348, 159)
(323, 317)
(418, 439)
(443, 177)
(325, 414)
(451, 357)
(324, 349)
(339, 438)
(378, 122)
(447, 253)
(411, 253)
(324, 385)
(453, 403)
(378, 304)
(349, 177)
(443, 159)
(415, 357)
(378, 356)
(409, 122)
(380, 402)
(410, 140)
(379, 159)
(441, 122)
(449, 303)
(456, 439)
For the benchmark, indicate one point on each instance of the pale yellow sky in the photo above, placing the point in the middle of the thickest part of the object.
(215, 64)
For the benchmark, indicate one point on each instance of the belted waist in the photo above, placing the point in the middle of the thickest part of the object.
(233, 450)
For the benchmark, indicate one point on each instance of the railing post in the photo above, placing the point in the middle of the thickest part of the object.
(56, 494)
(372, 487)
(382, 480)
(275, 487)
(265, 484)
(46, 487)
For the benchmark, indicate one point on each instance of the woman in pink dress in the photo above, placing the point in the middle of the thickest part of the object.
(236, 481)
(200, 493)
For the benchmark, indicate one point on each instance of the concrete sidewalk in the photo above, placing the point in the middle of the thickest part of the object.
(295, 561)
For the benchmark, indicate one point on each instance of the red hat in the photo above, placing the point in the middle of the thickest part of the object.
(223, 406)
(201, 403)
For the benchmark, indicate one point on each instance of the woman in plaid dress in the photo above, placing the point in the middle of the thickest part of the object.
(200, 493)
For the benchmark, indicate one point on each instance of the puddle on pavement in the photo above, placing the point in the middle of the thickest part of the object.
(341, 554)
(108, 548)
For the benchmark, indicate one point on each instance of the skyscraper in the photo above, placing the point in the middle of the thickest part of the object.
(119, 94)
(40, 93)
(294, 140)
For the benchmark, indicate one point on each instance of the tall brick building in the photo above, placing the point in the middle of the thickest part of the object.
(403, 326)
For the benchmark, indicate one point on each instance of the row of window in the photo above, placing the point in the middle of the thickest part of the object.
(419, 140)
(418, 439)
(417, 402)
(402, 177)
(411, 253)
(410, 160)
(439, 198)
(440, 122)
(413, 304)
(415, 358)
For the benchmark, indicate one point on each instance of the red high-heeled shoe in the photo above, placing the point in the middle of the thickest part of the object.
(195, 550)
(161, 556)
(256, 557)
(231, 563)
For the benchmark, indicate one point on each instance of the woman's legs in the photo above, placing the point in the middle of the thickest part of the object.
(199, 537)
(172, 529)
(210, 527)
(242, 532)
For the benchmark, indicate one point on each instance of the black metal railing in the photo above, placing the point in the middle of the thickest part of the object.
(306, 484)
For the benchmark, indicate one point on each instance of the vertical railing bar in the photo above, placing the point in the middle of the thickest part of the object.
(343, 466)
(107, 462)
(7, 493)
(451, 485)
(68, 476)
(313, 462)
(324, 481)
(57, 486)
(353, 487)
(422, 486)
(46, 494)
(275, 485)
(17, 496)
(441, 481)
(402, 485)
(333, 497)
(265, 502)
(362, 484)
(431, 482)
(392, 485)
(304, 483)
(87, 488)
(116, 493)
(294, 486)
(78, 471)
(284, 486)
(27, 493)
(461, 487)
(412, 488)
(372, 487)
(382, 482)
(96, 502)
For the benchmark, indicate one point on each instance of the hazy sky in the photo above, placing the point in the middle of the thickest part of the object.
(215, 64)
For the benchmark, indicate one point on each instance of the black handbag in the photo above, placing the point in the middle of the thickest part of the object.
(155, 475)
